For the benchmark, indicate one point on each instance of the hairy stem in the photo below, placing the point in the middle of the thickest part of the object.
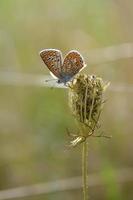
(84, 169)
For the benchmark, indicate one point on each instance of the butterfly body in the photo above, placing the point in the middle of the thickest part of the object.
(63, 70)
(64, 79)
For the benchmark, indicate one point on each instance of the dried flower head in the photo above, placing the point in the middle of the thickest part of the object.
(86, 103)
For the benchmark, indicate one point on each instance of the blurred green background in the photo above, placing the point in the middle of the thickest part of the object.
(33, 119)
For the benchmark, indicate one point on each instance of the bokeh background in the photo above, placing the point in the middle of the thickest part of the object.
(34, 118)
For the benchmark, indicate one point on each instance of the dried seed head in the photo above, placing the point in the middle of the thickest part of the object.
(86, 99)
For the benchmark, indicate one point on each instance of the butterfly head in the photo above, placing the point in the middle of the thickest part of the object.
(64, 79)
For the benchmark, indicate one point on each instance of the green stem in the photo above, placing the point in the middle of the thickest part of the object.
(84, 170)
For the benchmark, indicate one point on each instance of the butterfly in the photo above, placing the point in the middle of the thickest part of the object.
(63, 70)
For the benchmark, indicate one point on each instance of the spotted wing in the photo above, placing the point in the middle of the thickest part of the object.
(53, 60)
(73, 63)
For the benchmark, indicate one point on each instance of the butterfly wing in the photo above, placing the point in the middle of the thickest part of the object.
(53, 60)
(72, 64)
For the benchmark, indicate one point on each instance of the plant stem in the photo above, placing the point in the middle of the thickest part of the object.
(84, 170)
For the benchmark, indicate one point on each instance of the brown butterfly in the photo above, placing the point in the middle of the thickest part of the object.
(63, 70)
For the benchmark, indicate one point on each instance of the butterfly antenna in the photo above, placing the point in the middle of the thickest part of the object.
(50, 80)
